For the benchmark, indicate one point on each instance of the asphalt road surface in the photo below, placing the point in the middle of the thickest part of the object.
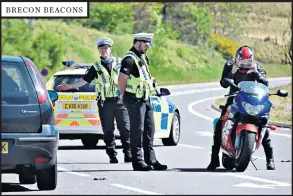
(82, 171)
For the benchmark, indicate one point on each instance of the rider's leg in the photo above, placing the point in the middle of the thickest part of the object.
(215, 162)
(266, 142)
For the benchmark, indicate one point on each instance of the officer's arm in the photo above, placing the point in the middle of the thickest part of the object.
(87, 78)
(126, 67)
(226, 74)
(260, 75)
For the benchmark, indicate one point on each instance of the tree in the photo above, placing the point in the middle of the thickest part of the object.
(287, 43)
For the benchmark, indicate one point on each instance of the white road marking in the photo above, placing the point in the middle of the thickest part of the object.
(71, 172)
(135, 189)
(270, 183)
(189, 146)
(195, 91)
(252, 185)
(191, 110)
(281, 134)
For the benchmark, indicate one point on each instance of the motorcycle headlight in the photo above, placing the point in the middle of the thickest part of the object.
(252, 109)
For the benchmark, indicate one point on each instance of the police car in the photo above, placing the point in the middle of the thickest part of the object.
(76, 111)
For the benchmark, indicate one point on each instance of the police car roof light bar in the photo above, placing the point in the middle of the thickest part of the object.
(72, 64)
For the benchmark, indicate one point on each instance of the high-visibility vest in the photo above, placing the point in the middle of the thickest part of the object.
(143, 86)
(107, 85)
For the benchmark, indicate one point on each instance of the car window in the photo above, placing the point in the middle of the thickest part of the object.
(69, 79)
(17, 86)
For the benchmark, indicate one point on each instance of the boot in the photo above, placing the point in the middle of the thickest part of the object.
(270, 158)
(127, 158)
(215, 160)
(158, 166)
(113, 159)
(127, 152)
(141, 166)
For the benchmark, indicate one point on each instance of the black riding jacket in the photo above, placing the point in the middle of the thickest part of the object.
(239, 77)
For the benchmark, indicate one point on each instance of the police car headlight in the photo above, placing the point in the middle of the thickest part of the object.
(251, 109)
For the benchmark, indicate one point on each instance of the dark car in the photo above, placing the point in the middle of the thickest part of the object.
(29, 134)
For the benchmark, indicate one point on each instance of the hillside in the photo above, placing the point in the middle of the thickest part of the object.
(267, 28)
(48, 42)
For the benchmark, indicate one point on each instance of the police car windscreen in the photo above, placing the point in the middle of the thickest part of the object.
(69, 79)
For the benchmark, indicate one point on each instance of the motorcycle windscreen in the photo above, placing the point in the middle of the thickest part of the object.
(254, 89)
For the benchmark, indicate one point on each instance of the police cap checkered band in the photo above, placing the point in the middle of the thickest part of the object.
(104, 41)
(144, 37)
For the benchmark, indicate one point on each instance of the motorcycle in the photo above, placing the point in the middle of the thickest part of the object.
(250, 112)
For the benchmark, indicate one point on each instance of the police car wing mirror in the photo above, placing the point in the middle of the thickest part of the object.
(67, 63)
(164, 92)
(53, 95)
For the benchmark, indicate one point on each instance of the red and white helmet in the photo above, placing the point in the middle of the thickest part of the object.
(244, 57)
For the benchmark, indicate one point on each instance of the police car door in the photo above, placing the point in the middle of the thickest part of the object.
(161, 116)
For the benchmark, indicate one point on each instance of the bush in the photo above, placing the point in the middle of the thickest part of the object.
(225, 46)
(16, 38)
(49, 50)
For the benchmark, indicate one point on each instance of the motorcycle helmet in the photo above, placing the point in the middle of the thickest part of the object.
(244, 57)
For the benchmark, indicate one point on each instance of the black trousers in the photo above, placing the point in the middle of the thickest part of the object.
(114, 107)
(266, 142)
(142, 129)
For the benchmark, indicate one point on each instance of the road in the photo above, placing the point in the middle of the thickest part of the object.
(83, 171)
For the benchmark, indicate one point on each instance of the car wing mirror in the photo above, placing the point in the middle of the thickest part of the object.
(164, 92)
(53, 95)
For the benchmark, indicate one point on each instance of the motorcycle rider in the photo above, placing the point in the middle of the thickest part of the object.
(242, 68)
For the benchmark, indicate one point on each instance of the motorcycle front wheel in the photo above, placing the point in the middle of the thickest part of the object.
(246, 148)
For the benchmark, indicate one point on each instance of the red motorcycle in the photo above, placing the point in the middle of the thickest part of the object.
(250, 113)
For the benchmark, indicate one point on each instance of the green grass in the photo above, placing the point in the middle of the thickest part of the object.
(283, 111)
(277, 70)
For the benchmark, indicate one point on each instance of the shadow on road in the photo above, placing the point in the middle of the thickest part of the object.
(96, 148)
(201, 170)
(96, 170)
(13, 187)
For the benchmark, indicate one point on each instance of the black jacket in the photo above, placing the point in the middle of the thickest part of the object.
(239, 77)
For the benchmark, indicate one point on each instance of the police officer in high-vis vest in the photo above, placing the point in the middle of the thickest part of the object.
(136, 85)
(109, 102)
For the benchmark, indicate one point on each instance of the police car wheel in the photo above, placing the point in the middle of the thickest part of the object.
(174, 136)
(90, 141)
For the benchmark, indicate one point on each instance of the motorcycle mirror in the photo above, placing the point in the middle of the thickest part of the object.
(228, 81)
(282, 93)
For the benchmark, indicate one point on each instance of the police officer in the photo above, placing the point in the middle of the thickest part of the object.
(109, 102)
(242, 68)
(136, 86)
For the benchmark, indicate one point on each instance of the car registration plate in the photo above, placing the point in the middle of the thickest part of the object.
(76, 106)
(4, 148)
